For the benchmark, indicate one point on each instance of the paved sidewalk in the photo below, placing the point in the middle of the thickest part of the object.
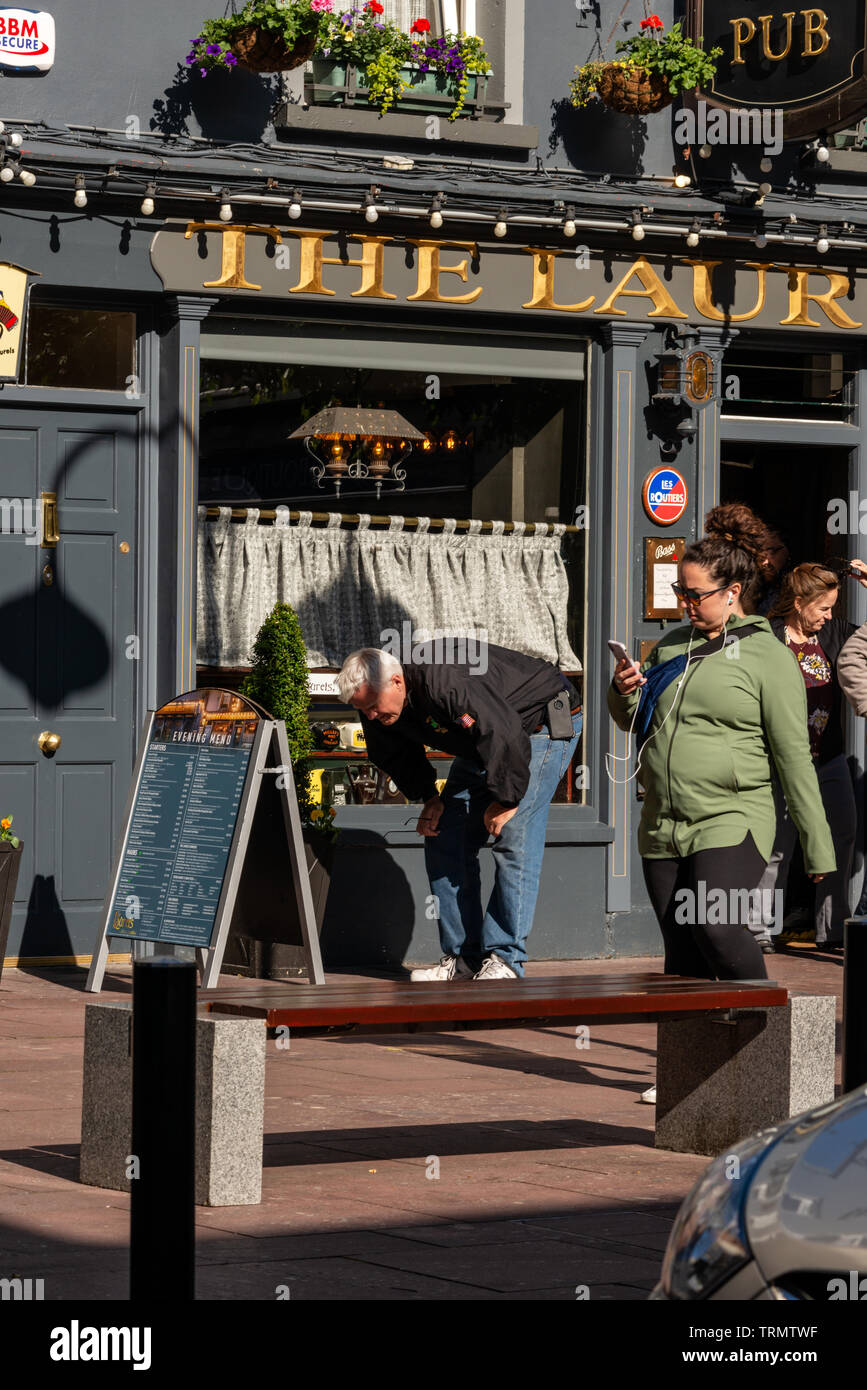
(547, 1175)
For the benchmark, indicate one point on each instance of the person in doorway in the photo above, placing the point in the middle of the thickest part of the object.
(513, 727)
(801, 619)
(774, 562)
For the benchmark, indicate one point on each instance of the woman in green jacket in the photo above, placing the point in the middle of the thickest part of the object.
(708, 820)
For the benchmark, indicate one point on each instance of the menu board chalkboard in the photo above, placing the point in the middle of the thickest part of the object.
(183, 819)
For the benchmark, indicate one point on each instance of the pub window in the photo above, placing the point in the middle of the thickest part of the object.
(84, 349)
(796, 385)
(502, 445)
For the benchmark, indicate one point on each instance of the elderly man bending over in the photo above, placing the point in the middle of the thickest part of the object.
(512, 728)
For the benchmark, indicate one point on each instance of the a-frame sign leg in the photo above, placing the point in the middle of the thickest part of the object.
(298, 858)
(213, 954)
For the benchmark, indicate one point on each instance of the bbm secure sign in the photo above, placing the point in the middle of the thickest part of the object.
(26, 39)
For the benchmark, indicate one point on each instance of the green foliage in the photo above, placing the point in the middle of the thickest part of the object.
(673, 55)
(278, 681)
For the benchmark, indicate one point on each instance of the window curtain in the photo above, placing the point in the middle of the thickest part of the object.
(352, 588)
(405, 12)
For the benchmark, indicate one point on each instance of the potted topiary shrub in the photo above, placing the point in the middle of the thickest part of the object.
(10, 862)
(652, 68)
(264, 36)
(278, 682)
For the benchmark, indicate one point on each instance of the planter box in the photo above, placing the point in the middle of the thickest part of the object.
(341, 84)
(263, 952)
(10, 862)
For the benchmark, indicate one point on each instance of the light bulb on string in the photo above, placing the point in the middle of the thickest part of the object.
(147, 202)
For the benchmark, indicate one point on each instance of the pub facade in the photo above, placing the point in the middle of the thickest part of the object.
(588, 329)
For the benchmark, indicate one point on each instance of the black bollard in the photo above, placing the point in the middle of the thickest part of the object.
(854, 1012)
(162, 1207)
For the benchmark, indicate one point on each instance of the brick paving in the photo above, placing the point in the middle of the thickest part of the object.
(548, 1178)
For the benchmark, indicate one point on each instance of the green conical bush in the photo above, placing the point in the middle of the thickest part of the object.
(278, 681)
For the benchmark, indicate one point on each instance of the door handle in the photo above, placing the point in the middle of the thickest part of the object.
(49, 743)
(50, 534)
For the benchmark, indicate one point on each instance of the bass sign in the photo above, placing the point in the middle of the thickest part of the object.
(26, 39)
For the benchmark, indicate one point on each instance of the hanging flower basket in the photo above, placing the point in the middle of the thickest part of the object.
(263, 50)
(633, 90)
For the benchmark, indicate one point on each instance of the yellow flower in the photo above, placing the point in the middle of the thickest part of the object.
(6, 822)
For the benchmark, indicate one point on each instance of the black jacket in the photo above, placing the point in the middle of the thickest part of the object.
(831, 639)
(487, 718)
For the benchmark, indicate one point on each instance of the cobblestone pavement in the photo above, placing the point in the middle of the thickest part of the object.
(547, 1175)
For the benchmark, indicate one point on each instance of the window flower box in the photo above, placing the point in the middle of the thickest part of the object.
(344, 84)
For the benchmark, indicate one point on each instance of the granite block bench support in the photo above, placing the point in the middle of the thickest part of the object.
(230, 1100)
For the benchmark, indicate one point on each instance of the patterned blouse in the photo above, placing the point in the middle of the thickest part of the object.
(816, 670)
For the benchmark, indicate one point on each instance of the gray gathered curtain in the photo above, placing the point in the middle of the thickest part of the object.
(353, 588)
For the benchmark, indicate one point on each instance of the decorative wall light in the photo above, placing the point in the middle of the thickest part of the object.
(685, 380)
(346, 442)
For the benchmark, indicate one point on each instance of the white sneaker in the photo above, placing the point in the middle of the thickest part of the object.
(493, 968)
(449, 968)
(649, 1096)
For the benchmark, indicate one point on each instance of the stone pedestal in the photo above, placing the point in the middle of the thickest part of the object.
(720, 1080)
(230, 1103)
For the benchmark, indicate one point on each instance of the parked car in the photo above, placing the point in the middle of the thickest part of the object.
(782, 1215)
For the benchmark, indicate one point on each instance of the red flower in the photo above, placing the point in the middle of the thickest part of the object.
(421, 26)
(653, 22)
(375, 7)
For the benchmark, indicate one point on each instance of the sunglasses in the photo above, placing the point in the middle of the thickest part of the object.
(695, 595)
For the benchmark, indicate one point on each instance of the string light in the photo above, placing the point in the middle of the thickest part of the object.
(7, 173)
(501, 226)
(147, 202)
(436, 216)
(225, 206)
(295, 205)
(823, 245)
(823, 154)
(570, 226)
(638, 232)
(692, 236)
(26, 177)
(80, 199)
(369, 205)
(682, 180)
(16, 140)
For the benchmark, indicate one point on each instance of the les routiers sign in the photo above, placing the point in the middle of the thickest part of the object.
(294, 265)
(810, 62)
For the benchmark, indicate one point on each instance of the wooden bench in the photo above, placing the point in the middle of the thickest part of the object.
(726, 1049)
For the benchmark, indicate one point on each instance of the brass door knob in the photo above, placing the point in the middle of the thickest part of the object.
(49, 743)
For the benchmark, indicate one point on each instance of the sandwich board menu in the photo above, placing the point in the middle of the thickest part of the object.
(187, 827)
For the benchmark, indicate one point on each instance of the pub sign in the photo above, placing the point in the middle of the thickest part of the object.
(809, 63)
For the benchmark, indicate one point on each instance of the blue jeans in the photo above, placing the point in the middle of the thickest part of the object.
(452, 856)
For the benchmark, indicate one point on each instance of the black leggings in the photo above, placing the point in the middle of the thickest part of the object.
(715, 950)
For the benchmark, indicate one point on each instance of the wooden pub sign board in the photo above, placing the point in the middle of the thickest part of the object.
(187, 839)
(810, 62)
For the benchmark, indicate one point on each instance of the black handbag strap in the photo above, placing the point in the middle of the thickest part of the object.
(719, 642)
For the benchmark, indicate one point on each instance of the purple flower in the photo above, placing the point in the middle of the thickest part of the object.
(231, 60)
(213, 48)
(203, 71)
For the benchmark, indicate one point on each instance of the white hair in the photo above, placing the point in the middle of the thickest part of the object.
(368, 666)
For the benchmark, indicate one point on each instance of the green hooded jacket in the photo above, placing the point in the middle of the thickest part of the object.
(706, 766)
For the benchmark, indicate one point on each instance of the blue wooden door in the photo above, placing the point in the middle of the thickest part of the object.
(68, 656)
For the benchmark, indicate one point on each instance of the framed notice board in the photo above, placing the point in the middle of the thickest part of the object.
(662, 555)
(187, 828)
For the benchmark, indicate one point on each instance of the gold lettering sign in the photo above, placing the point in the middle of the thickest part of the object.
(811, 30)
(800, 296)
(233, 242)
(542, 296)
(765, 21)
(744, 30)
(702, 291)
(651, 288)
(429, 271)
(371, 263)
